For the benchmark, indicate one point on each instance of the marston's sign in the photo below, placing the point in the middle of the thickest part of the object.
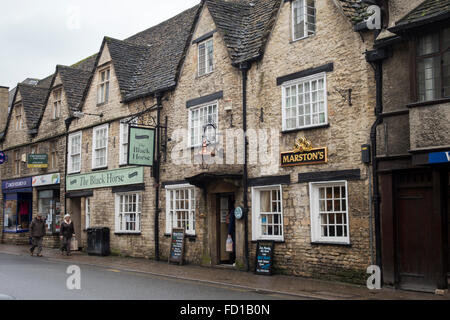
(304, 154)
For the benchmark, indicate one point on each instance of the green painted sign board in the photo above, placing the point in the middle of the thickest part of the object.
(37, 161)
(141, 146)
(105, 179)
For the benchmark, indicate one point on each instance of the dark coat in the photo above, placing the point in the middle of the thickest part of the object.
(38, 228)
(67, 230)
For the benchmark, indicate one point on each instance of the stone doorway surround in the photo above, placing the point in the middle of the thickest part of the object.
(214, 185)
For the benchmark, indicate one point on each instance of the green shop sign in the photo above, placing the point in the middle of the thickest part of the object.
(141, 146)
(37, 161)
(105, 179)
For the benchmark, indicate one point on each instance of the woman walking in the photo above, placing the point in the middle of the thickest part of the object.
(67, 231)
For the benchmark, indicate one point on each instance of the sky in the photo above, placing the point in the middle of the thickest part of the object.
(35, 36)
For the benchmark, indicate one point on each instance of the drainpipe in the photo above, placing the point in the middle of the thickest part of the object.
(373, 138)
(157, 171)
(244, 67)
(68, 122)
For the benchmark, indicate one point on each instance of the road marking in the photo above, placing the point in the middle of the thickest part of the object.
(113, 270)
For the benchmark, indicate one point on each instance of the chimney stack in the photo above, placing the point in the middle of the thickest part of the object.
(4, 103)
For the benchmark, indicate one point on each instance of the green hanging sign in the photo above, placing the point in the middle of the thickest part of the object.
(105, 179)
(141, 146)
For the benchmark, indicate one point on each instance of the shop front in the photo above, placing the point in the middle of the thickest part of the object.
(47, 194)
(17, 210)
(113, 199)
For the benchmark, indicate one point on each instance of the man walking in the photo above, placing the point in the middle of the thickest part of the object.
(37, 234)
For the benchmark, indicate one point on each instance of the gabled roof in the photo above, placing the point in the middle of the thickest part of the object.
(33, 101)
(166, 45)
(126, 57)
(244, 25)
(74, 82)
(428, 11)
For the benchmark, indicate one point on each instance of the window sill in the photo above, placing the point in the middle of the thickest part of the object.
(300, 39)
(100, 169)
(330, 243)
(102, 104)
(203, 75)
(73, 173)
(324, 126)
(127, 233)
(269, 240)
(428, 103)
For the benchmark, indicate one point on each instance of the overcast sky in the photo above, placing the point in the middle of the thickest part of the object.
(35, 36)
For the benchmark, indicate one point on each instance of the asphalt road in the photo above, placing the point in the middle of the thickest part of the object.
(32, 278)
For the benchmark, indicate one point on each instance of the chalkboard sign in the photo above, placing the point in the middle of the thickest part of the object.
(177, 246)
(264, 258)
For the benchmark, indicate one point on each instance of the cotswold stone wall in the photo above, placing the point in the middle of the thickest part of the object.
(349, 128)
(103, 204)
(224, 78)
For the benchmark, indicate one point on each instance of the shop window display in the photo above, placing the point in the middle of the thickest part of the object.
(17, 213)
(49, 206)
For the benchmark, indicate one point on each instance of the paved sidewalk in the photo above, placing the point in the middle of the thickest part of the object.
(286, 285)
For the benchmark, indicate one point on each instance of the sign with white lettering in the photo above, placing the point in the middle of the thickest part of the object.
(141, 146)
(439, 157)
(264, 258)
(177, 246)
(105, 179)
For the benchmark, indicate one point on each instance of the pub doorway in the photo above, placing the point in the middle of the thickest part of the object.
(226, 225)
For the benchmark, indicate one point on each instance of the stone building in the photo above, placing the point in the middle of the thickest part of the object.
(126, 86)
(35, 127)
(265, 106)
(266, 49)
(412, 56)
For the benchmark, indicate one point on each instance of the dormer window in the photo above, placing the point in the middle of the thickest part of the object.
(57, 96)
(19, 118)
(103, 86)
(303, 19)
(205, 57)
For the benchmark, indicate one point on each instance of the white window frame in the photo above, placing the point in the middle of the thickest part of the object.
(307, 32)
(316, 77)
(103, 86)
(209, 67)
(57, 96)
(95, 148)
(124, 129)
(316, 232)
(87, 209)
(70, 170)
(170, 212)
(256, 213)
(199, 107)
(120, 226)
(19, 117)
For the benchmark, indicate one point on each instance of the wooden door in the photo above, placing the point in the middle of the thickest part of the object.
(417, 245)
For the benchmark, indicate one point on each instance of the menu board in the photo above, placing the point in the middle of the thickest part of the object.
(264, 258)
(177, 246)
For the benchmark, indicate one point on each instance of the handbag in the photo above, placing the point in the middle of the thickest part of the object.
(74, 244)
